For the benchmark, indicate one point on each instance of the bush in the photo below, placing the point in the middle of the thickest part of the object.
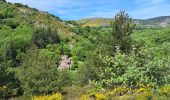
(131, 69)
(39, 75)
(21, 5)
(56, 96)
(142, 92)
(164, 90)
(65, 49)
(75, 92)
(88, 71)
(10, 86)
(6, 13)
(13, 23)
(2, 15)
(10, 54)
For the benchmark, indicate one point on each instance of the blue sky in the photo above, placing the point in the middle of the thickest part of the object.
(77, 9)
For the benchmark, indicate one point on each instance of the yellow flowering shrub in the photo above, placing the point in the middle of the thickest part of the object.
(164, 90)
(110, 95)
(121, 90)
(139, 92)
(56, 96)
(117, 91)
(84, 97)
(142, 89)
(100, 96)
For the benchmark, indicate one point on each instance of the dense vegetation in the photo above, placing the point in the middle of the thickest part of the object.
(119, 61)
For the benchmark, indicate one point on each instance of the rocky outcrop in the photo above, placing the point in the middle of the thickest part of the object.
(65, 62)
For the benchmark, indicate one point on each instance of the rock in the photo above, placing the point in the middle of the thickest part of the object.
(65, 62)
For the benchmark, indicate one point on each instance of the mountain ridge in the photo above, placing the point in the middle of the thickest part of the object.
(160, 21)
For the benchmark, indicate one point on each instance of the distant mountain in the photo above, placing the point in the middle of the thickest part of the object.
(162, 21)
(93, 22)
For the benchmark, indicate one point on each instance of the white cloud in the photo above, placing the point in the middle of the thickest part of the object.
(151, 11)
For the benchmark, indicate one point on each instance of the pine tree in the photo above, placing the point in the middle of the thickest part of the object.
(44, 36)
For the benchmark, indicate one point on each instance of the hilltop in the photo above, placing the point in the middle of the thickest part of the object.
(162, 21)
(93, 22)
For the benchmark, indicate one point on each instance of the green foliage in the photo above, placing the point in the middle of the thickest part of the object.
(71, 22)
(52, 52)
(75, 64)
(65, 49)
(17, 22)
(11, 54)
(9, 85)
(89, 71)
(141, 92)
(132, 69)
(39, 75)
(43, 37)
(105, 57)
(12, 23)
(21, 5)
(6, 13)
(3, 0)
(81, 49)
(122, 27)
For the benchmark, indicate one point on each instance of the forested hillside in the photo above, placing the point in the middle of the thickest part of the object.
(18, 21)
(45, 58)
(24, 32)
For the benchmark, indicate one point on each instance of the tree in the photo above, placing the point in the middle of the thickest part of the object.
(122, 28)
(11, 54)
(89, 70)
(44, 36)
(9, 85)
(39, 75)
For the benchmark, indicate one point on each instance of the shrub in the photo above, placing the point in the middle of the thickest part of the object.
(164, 90)
(123, 69)
(21, 5)
(2, 15)
(141, 92)
(6, 13)
(10, 54)
(65, 49)
(13, 23)
(56, 96)
(86, 74)
(84, 97)
(39, 75)
(77, 92)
